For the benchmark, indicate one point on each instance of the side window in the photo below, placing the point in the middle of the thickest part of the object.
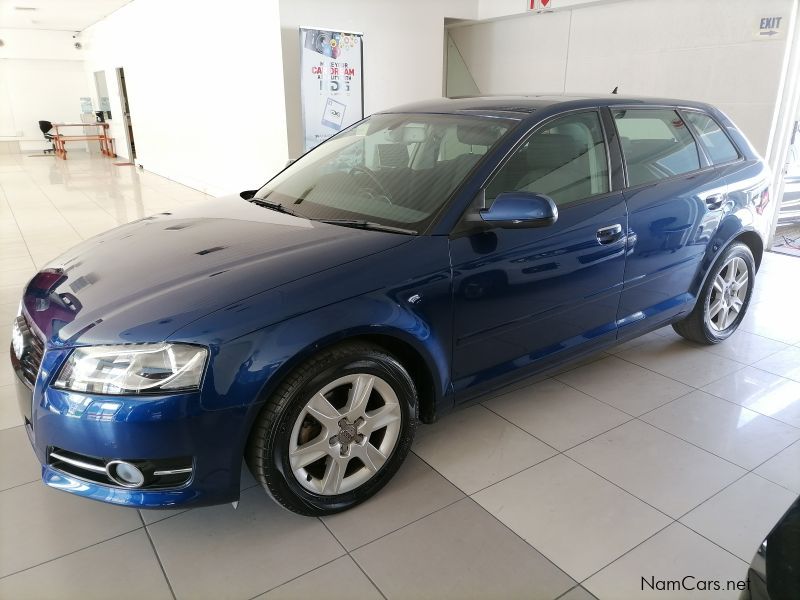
(656, 144)
(714, 141)
(566, 161)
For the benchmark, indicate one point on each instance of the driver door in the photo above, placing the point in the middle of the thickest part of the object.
(525, 296)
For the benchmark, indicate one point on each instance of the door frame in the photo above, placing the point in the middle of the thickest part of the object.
(126, 113)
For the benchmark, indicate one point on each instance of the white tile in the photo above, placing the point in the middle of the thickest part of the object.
(664, 471)
(473, 448)
(669, 556)
(740, 516)
(261, 545)
(9, 409)
(47, 523)
(769, 319)
(575, 518)
(556, 413)
(682, 361)
(460, 552)
(746, 347)
(784, 468)
(763, 392)
(730, 431)
(785, 363)
(338, 580)
(625, 385)
(122, 568)
(18, 463)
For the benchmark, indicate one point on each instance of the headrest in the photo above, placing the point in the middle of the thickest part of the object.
(553, 150)
(477, 135)
(393, 155)
(408, 134)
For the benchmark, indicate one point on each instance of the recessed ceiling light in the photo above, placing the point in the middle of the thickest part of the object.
(24, 8)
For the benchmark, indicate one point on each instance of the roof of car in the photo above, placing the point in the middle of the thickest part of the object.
(520, 107)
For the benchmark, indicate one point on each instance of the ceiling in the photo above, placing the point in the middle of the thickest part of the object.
(64, 15)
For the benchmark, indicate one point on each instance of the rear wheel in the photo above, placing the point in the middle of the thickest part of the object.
(335, 431)
(723, 300)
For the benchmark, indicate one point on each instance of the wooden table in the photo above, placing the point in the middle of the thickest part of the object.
(60, 139)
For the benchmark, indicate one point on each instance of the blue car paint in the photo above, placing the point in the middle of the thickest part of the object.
(480, 309)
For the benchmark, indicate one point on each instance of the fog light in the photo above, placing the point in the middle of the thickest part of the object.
(125, 474)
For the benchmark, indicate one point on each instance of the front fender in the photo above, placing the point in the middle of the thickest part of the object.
(256, 341)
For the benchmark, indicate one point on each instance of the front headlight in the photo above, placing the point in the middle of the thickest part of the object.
(133, 369)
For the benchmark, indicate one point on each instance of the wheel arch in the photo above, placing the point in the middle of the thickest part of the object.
(420, 365)
(717, 248)
(753, 241)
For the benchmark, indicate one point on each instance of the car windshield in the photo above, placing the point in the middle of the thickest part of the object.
(395, 170)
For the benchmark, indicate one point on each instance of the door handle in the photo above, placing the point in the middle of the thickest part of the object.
(610, 234)
(715, 201)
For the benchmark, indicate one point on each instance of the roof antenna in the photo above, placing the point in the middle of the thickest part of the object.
(615, 90)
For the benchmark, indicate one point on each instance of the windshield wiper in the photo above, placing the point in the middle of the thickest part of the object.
(367, 225)
(272, 206)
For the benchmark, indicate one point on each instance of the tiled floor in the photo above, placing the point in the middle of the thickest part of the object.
(657, 458)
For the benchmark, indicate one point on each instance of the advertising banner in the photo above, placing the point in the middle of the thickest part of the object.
(331, 82)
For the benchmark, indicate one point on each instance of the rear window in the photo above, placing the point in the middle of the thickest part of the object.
(656, 144)
(714, 141)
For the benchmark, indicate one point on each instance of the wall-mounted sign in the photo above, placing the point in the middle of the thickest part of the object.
(539, 5)
(770, 28)
(86, 105)
(331, 82)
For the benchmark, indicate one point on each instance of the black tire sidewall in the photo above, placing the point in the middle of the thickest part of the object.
(736, 250)
(277, 447)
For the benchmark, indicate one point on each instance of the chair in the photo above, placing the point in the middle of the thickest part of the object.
(46, 126)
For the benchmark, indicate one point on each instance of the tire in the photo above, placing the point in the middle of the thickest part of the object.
(721, 305)
(307, 457)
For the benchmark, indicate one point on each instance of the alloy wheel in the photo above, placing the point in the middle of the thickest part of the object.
(344, 434)
(728, 294)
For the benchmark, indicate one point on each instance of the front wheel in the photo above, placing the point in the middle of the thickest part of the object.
(724, 299)
(335, 431)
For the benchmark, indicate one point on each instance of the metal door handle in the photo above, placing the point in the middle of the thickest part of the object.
(715, 201)
(610, 234)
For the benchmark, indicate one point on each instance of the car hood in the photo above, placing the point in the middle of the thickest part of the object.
(142, 281)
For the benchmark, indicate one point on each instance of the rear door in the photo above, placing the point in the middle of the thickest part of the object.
(529, 295)
(675, 203)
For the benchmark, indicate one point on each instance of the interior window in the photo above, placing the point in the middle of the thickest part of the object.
(393, 169)
(656, 144)
(716, 144)
(565, 160)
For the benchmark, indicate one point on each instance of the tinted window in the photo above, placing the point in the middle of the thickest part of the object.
(395, 169)
(656, 144)
(566, 161)
(714, 141)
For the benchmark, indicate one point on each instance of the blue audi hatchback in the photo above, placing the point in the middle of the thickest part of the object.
(416, 260)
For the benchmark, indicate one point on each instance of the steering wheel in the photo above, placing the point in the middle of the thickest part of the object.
(383, 193)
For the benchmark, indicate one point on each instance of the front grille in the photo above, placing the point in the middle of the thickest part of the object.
(32, 351)
(159, 474)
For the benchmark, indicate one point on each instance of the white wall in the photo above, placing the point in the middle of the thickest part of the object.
(205, 88)
(41, 78)
(403, 48)
(676, 48)
(39, 43)
(489, 9)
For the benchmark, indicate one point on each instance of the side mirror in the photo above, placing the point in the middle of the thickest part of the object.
(520, 210)
(247, 194)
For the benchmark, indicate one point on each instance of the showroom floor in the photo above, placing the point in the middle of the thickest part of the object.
(656, 459)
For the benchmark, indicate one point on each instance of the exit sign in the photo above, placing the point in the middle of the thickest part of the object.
(539, 5)
(770, 28)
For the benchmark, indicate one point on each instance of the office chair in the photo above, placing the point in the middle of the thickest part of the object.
(46, 126)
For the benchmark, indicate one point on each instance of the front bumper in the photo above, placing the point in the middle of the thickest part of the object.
(133, 428)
